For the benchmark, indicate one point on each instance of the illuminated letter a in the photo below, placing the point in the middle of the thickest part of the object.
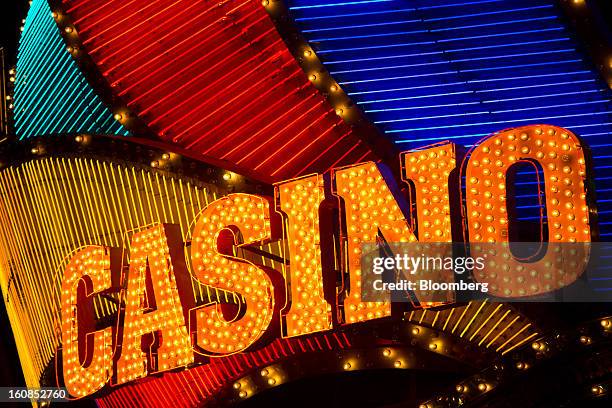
(153, 306)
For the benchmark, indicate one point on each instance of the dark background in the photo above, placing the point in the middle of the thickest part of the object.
(11, 14)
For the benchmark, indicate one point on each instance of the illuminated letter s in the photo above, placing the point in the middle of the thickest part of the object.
(242, 296)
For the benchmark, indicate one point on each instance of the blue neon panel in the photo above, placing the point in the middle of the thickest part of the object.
(51, 94)
(432, 70)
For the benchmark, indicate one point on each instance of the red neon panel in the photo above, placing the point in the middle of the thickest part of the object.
(199, 384)
(216, 78)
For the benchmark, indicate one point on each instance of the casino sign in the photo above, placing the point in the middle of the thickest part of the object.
(185, 201)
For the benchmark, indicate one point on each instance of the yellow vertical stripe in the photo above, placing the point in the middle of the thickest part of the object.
(49, 208)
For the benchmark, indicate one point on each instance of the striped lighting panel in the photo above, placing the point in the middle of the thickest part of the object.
(51, 94)
(432, 70)
(216, 78)
(49, 208)
(495, 326)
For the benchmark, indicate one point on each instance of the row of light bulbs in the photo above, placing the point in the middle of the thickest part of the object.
(245, 386)
(165, 157)
(317, 76)
(540, 347)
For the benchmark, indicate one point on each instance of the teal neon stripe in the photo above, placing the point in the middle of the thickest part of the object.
(51, 95)
(48, 63)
